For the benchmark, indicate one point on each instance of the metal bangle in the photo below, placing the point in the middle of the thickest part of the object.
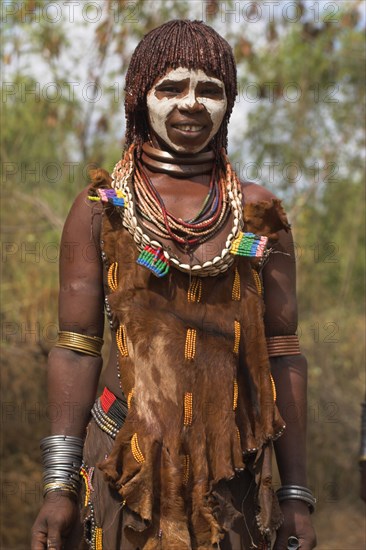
(294, 487)
(62, 458)
(82, 343)
(297, 492)
(59, 486)
(61, 438)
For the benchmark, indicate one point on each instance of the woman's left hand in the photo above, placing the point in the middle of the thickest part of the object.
(297, 523)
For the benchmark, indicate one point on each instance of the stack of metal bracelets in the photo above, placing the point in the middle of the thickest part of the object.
(90, 345)
(61, 457)
(296, 492)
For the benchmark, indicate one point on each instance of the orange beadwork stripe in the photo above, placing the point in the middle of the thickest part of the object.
(84, 475)
(113, 276)
(258, 282)
(235, 293)
(129, 398)
(186, 469)
(238, 435)
(235, 395)
(188, 409)
(195, 290)
(98, 534)
(273, 389)
(136, 451)
(190, 345)
(237, 336)
(121, 339)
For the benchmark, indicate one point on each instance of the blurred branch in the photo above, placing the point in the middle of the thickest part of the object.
(55, 221)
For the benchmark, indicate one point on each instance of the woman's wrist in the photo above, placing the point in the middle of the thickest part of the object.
(297, 493)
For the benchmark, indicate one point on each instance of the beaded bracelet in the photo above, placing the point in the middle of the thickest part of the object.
(297, 492)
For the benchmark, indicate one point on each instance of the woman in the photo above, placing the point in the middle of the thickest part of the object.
(178, 452)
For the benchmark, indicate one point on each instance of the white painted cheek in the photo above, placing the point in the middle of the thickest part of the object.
(159, 110)
(216, 109)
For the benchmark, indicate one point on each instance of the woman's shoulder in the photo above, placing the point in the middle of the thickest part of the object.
(263, 210)
(85, 215)
(253, 192)
(85, 204)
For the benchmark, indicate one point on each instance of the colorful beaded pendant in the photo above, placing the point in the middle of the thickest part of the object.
(154, 260)
(249, 244)
(113, 196)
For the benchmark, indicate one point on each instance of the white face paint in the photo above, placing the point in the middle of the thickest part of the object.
(186, 109)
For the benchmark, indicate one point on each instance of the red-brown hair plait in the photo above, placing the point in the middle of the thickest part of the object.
(178, 43)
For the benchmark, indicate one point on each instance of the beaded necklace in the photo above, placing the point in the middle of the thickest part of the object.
(154, 255)
(158, 257)
(204, 225)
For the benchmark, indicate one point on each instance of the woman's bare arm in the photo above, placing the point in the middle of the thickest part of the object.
(290, 376)
(73, 376)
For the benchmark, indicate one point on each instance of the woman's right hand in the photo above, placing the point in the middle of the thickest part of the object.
(55, 521)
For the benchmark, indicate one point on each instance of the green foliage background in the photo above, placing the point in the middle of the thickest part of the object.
(302, 85)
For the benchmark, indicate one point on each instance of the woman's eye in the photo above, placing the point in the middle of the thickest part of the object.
(211, 92)
(169, 89)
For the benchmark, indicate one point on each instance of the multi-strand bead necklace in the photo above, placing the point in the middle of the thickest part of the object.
(224, 195)
(150, 206)
(133, 193)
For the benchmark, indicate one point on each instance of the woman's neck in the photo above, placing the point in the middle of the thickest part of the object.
(176, 165)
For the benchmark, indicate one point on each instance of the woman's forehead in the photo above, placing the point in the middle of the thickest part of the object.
(183, 73)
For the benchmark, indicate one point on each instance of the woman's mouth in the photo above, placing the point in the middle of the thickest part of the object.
(191, 128)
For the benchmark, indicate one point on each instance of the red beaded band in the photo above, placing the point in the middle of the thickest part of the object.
(107, 399)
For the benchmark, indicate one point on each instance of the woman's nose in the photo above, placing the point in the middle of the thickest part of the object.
(190, 103)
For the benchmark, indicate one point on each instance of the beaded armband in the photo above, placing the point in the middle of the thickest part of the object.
(89, 345)
(283, 345)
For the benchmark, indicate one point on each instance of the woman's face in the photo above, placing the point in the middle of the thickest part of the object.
(186, 108)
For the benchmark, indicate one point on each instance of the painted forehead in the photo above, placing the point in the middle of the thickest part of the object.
(195, 75)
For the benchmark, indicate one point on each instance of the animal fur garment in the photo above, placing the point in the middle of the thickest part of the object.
(201, 397)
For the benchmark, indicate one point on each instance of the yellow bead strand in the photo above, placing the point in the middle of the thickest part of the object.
(136, 451)
(186, 469)
(235, 294)
(190, 345)
(84, 475)
(235, 395)
(273, 389)
(98, 538)
(238, 435)
(188, 409)
(195, 290)
(129, 398)
(121, 339)
(113, 276)
(237, 337)
(257, 281)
